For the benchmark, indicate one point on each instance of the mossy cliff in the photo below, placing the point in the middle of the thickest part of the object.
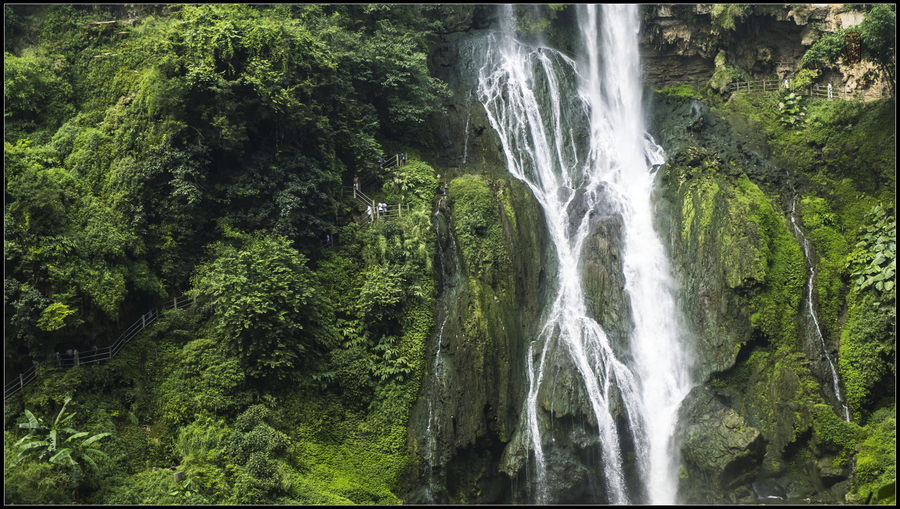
(766, 422)
(493, 257)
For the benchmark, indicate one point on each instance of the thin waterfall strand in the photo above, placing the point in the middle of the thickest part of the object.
(812, 313)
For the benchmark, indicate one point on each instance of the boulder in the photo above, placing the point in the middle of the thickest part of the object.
(720, 452)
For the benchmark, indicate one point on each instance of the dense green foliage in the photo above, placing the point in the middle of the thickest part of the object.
(844, 200)
(263, 303)
(174, 397)
(203, 149)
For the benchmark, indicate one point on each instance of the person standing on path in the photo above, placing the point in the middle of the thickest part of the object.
(356, 182)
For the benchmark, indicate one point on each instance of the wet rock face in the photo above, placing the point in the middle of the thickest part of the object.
(603, 279)
(720, 452)
(464, 135)
(472, 396)
(728, 444)
(486, 337)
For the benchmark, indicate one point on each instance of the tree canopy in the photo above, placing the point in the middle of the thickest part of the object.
(264, 305)
(125, 141)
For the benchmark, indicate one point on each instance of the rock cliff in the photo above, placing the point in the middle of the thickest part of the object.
(752, 429)
(680, 43)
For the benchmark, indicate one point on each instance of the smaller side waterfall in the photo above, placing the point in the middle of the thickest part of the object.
(466, 140)
(804, 242)
(436, 388)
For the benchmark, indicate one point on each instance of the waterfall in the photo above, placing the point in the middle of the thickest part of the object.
(437, 387)
(572, 130)
(812, 311)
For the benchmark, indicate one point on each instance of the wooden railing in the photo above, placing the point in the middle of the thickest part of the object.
(63, 361)
(822, 92)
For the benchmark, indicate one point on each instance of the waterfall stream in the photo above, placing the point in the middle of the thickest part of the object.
(572, 130)
(437, 386)
(812, 311)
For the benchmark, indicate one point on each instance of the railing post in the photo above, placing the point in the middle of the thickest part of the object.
(143, 321)
(21, 381)
(175, 302)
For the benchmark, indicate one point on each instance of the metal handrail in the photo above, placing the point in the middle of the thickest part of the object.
(100, 354)
(772, 86)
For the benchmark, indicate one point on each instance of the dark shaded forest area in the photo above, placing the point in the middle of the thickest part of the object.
(204, 150)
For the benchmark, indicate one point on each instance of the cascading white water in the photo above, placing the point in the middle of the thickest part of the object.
(812, 312)
(539, 102)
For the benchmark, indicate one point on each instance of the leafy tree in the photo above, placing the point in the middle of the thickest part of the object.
(724, 15)
(413, 182)
(72, 245)
(35, 92)
(288, 192)
(879, 38)
(27, 306)
(803, 80)
(385, 49)
(874, 261)
(59, 444)
(263, 303)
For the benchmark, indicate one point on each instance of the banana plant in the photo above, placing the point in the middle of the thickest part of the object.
(58, 443)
